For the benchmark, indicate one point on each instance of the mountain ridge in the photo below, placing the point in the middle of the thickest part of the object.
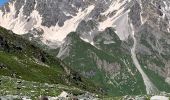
(124, 41)
(22, 60)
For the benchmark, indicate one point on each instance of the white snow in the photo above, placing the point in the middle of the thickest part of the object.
(166, 5)
(86, 40)
(21, 25)
(166, 11)
(9, 21)
(159, 98)
(119, 21)
(141, 18)
(67, 14)
(115, 5)
(150, 88)
(109, 21)
(122, 26)
(59, 33)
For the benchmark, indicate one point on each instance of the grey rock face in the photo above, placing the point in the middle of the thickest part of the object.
(57, 13)
(53, 12)
(29, 6)
(134, 15)
(65, 49)
(87, 29)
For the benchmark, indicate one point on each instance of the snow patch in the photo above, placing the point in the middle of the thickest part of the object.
(141, 18)
(59, 33)
(166, 11)
(22, 24)
(115, 5)
(86, 40)
(122, 26)
(119, 21)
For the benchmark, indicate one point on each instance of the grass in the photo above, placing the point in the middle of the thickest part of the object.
(83, 58)
(9, 86)
(23, 60)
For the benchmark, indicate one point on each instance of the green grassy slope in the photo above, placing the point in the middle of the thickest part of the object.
(21, 59)
(86, 59)
(14, 86)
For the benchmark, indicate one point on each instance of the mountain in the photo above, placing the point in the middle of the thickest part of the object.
(19, 59)
(120, 44)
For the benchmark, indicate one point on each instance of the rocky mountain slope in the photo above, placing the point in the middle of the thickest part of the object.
(19, 59)
(120, 44)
